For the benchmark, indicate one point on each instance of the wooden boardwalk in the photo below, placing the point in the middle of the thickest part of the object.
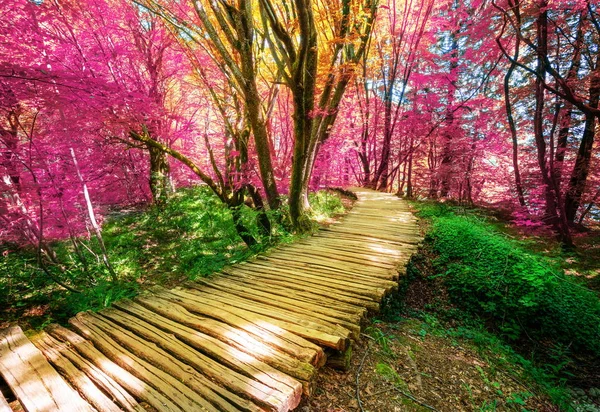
(248, 339)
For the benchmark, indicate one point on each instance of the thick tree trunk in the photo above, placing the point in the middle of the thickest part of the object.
(264, 224)
(579, 175)
(9, 137)
(303, 91)
(240, 228)
(447, 155)
(558, 215)
(160, 179)
(380, 180)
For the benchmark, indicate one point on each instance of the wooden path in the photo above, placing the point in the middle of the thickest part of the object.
(248, 339)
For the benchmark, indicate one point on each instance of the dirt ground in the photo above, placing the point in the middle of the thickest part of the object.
(400, 367)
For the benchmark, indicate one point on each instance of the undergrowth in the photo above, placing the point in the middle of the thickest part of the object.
(190, 237)
(510, 300)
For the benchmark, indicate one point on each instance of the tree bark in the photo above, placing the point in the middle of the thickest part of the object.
(511, 120)
(558, 216)
(579, 175)
(160, 179)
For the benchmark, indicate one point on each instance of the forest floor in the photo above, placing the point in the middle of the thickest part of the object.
(409, 367)
(419, 355)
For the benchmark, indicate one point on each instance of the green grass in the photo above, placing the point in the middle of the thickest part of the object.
(507, 294)
(522, 293)
(191, 237)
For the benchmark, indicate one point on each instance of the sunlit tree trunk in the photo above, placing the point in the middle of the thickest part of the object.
(558, 216)
(160, 179)
(579, 175)
(510, 117)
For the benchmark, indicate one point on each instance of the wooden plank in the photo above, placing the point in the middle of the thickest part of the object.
(4, 406)
(104, 382)
(302, 288)
(297, 271)
(286, 301)
(336, 266)
(36, 385)
(372, 226)
(337, 270)
(199, 301)
(362, 244)
(357, 254)
(352, 232)
(313, 258)
(355, 234)
(282, 339)
(182, 397)
(312, 298)
(52, 349)
(137, 387)
(284, 310)
(362, 260)
(262, 270)
(243, 355)
(170, 369)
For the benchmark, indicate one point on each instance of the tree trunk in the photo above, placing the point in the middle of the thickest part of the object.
(579, 175)
(561, 224)
(241, 229)
(447, 155)
(160, 179)
(512, 126)
(9, 137)
(92, 216)
(264, 224)
(409, 185)
(303, 92)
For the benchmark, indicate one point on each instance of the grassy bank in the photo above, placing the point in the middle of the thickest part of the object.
(512, 296)
(191, 237)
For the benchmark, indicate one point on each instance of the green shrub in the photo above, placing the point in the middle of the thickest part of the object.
(325, 203)
(517, 291)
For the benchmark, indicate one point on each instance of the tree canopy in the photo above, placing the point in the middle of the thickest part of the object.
(488, 102)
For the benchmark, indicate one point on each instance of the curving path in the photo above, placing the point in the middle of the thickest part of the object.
(248, 339)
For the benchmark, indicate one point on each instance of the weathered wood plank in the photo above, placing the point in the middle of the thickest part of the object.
(336, 269)
(259, 327)
(36, 385)
(4, 406)
(310, 291)
(311, 298)
(52, 349)
(314, 332)
(304, 271)
(325, 254)
(166, 365)
(118, 394)
(137, 387)
(180, 397)
(286, 301)
(291, 278)
(332, 263)
(351, 232)
(281, 310)
(328, 249)
(238, 352)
